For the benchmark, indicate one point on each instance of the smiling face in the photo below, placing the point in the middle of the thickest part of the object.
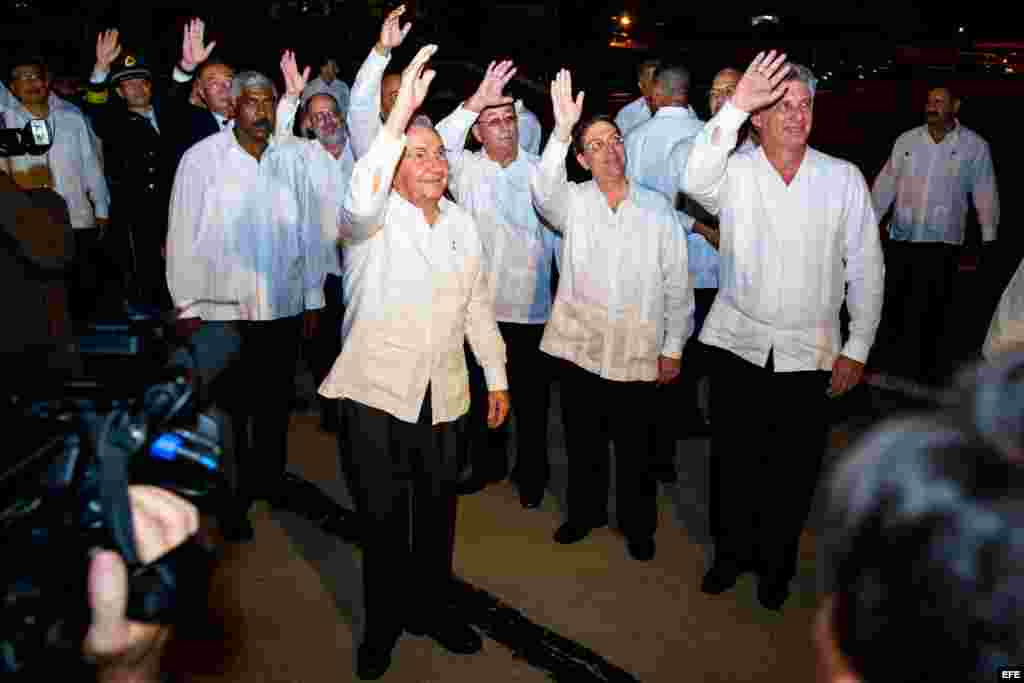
(787, 123)
(324, 121)
(137, 92)
(497, 129)
(422, 175)
(604, 152)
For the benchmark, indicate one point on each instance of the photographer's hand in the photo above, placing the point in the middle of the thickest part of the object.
(125, 650)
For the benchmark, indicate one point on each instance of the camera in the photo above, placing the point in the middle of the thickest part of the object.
(64, 491)
(35, 138)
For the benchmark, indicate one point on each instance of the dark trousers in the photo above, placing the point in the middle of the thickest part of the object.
(769, 435)
(596, 412)
(147, 264)
(919, 290)
(529, 379)
(254, 387)
(322, 350)
(402, 477)
(678, 408)
(97, 284)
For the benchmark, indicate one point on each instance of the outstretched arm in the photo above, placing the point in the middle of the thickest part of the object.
(362, 212)
(549, 182)
(761, 85)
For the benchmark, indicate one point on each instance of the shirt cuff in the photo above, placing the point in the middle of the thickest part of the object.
(102, 210)
(496, 378)
(98, 77)
(556, 144)
(315, 299)
(857, 349)
(686, 220)
(181, 76)
(730, 118)
(673, 347)
(390, 146)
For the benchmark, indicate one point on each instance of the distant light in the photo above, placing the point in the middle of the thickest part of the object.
(765, 19)
(625, 20)
(961, 29)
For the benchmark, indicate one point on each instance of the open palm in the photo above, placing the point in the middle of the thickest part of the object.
(762, 83)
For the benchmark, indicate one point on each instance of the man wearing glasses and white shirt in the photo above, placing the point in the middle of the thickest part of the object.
(620, 319)
(494, 185)
(798, 235)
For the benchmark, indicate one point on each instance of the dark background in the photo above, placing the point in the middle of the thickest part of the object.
(876, 60)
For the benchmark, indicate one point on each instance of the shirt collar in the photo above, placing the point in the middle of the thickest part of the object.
(676, 112)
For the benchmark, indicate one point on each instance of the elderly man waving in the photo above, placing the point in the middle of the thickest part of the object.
(415, 288)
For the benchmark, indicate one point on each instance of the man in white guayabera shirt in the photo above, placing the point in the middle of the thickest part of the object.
(929, 174)
(639, 110)
(327, 144)
(619, 322)
(647, 162)
(415, 289)
(493, 184)
(374, 91)
(245, 271)
(798, 231)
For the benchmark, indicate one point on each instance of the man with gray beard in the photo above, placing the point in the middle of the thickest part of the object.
(330, 159)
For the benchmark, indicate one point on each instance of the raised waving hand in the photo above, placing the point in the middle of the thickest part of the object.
(392, 33)
(490, 91)
(416, 79)
(107, 49)
(566, 109)
(193, 49)
(294, 81)
(762, 83)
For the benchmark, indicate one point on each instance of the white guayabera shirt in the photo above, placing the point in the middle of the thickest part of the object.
(632, 115)
(788, 253)
(930, 181)
(244, 235)
(414, 292)
(624, 296)
(518, 248)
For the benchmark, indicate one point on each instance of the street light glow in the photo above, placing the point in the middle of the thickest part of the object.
(625, 20)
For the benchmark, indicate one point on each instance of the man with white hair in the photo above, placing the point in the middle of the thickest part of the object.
(244, 261)
(493, 183)
(415, 289)
(798, 235)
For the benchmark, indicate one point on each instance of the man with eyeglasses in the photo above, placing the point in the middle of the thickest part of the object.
(72, 168)
(329, 153)
(619, 322)
(494, 185)
(798, 237)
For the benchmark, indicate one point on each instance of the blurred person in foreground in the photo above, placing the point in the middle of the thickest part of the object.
(923, 554)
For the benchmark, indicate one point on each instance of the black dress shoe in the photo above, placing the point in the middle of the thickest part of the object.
(641, 549)
(719, 579)
(530, 500)
(374, 658)
(772, 594)
(571, 532)
(455, 636)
